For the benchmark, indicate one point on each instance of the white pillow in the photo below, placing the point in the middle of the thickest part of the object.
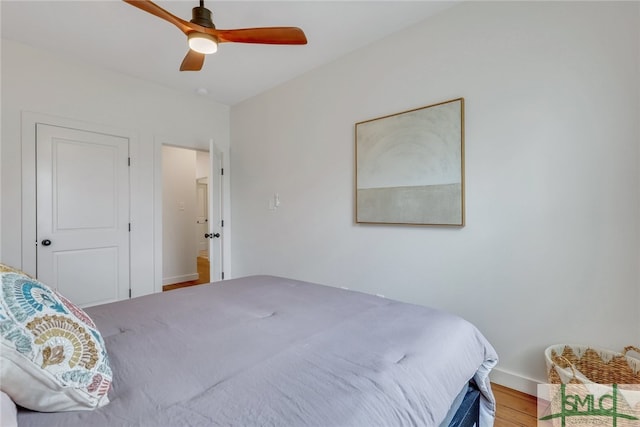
(53, 356)
(8, 411)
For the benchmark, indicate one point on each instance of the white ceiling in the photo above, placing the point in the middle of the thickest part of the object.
(122, 38)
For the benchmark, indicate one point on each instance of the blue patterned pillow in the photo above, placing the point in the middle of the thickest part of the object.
(53, 356)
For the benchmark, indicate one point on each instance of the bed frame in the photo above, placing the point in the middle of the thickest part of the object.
(468, 415)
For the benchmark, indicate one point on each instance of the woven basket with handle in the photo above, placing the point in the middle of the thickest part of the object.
(579, 364)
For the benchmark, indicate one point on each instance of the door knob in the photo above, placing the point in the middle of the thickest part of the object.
(46, 242)
(212, 235)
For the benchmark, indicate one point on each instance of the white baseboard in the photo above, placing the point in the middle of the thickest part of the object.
(514, 381)
(179, 279)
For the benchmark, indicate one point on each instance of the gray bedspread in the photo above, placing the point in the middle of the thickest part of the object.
(269, 351)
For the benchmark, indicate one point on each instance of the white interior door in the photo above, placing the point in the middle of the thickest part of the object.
(215, 214)
(83, 214)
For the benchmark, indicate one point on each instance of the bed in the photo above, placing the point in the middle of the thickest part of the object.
(271, 351)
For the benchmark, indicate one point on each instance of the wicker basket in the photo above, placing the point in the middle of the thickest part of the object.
(576, 364)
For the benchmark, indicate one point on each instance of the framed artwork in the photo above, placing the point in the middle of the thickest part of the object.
(410, 167)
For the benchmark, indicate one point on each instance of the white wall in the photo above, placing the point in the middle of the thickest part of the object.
(35, 81)
(202, 164)
(551, 247)
(179, 250)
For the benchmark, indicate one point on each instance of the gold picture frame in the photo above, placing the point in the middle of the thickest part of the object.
(410, 167)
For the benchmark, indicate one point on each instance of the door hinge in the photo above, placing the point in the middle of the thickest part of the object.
(222, 223)
(129, 227)
(223, 275)
(221, 171)
(129, 292)
(129, 161)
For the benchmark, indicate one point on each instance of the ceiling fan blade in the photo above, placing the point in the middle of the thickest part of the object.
(266, 35)
(193, 61)
(156, 10)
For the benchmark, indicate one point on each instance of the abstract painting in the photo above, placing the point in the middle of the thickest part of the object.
(410, 167)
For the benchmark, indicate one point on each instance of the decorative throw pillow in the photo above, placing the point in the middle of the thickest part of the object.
(53, 356)
(4, 268)
(8, 411)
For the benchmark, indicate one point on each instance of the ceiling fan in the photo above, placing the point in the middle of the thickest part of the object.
(203, 36)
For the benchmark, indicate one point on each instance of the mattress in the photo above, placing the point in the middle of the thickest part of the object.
(271, 351)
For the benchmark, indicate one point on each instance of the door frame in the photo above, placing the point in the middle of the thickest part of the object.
(210, 146)
(28, 142)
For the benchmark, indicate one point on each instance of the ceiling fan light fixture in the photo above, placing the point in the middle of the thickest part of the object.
(203, 37)
(202, 43)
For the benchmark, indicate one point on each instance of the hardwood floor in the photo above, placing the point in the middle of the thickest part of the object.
(515, 409)
(203, 276)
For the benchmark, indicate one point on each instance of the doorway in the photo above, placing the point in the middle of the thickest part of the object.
(187, 218)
